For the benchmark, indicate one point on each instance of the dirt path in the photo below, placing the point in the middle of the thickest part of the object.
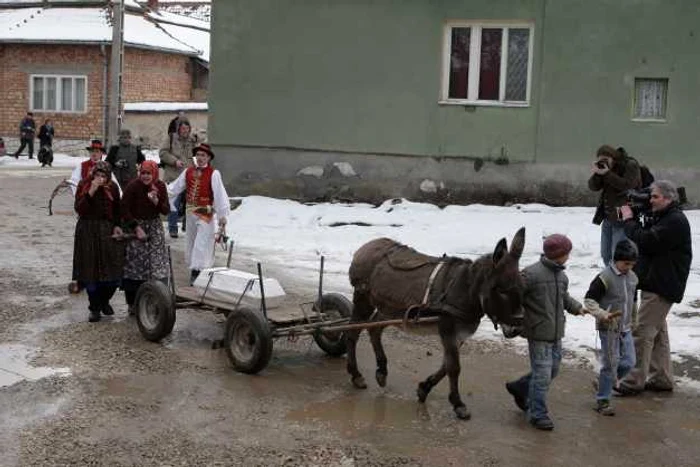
(129, 402)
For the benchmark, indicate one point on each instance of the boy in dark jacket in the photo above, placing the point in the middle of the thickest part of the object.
(545, 298)
(614, 289)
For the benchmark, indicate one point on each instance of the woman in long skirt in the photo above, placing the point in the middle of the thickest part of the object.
(145, 199)
(98, 259)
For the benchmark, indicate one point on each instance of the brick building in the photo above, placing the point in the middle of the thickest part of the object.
(55, 60)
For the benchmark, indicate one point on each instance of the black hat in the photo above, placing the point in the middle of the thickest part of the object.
(96, 144)
(203, 147)
(626, 250)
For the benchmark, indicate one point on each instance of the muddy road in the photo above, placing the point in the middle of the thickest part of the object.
(99, 394)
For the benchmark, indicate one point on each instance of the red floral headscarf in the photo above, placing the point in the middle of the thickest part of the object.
(152, 167)
(105, 168)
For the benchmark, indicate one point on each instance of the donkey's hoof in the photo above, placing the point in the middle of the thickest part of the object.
(381, 379)
(359, 382)
(422, 392)
(463, 413)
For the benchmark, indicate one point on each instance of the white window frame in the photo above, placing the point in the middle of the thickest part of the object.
(59, 94)
(475, 64)
(635, 118)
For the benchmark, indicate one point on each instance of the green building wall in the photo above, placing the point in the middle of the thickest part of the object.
(300, 83)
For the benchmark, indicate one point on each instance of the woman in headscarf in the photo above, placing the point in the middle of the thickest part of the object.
(145, 199)
(98, 259)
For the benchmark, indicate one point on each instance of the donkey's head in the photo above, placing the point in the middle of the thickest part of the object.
(501, 292)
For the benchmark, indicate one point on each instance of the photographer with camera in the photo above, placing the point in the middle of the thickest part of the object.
(613, 174)
(125, 158)
(665, 253)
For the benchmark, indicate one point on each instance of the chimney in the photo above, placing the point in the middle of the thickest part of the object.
(153, 5)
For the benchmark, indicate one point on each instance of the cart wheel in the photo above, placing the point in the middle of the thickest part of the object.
(155, 310)
(248, 340)
(335, 306)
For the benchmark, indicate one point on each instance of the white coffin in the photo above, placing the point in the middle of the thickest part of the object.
(229, 284)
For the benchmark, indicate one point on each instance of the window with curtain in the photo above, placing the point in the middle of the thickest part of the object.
(487, 64)
(56, 93)
(650, 98)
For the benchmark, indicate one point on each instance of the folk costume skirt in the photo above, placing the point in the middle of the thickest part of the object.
(96, 256)
(148, 259)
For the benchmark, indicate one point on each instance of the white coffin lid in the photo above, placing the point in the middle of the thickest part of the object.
(228, 285)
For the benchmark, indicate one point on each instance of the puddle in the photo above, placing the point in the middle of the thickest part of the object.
(358, 413)
(15, 367)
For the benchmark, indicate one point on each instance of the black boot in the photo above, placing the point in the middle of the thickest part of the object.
(94, 307)
(106, 294)
(193, 275)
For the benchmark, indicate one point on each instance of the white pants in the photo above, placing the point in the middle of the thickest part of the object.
(199, 253)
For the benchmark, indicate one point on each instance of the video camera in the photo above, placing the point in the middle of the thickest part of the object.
(640, 202)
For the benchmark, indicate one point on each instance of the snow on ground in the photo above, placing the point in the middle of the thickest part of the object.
(295, 235)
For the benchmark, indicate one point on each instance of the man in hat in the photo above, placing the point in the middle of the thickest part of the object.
(82, 171)
(207, 204)
(124, 158)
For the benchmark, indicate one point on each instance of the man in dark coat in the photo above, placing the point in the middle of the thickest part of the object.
(613, 174)
(665, 254)
(27, 130)
(124, 158)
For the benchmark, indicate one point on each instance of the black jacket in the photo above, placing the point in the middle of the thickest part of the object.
(665, 253)
(46, 134)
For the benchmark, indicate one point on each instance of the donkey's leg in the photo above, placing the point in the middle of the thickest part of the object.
(448, 335)
(426, 386)
(361, 310)
(375, 336)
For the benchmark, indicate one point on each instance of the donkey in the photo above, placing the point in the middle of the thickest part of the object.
(391, 280)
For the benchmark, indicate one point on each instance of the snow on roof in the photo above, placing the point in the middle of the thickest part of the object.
(163, 106)
(164, 16)
(91, 25)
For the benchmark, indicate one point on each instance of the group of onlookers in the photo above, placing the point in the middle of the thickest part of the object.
(27, 133)
(650, 252)
(119, 236)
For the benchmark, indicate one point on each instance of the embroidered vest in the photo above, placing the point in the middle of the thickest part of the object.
(86, 168)
(199, 192)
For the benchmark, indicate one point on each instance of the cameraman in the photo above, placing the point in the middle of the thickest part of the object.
(665, 253)
(613, 173)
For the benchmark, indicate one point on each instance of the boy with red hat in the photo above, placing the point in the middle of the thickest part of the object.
(207, 204)
(545, 298)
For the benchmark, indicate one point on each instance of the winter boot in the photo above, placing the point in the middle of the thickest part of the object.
(106, 294)
(94, 307)
(193, 275)
(603, 407)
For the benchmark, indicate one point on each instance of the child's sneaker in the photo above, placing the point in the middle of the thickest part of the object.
(603, 407)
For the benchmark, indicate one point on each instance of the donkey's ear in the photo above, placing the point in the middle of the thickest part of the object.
(500, 251)
(518, 245)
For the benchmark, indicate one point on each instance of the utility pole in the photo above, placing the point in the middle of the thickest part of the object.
(115, 72)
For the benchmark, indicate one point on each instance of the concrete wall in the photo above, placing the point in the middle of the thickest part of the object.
(299, 85)
(151, 127)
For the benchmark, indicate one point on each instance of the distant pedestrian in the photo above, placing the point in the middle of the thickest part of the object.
(125, 158)
(546, 296)
(46, 135)
(27, 131)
